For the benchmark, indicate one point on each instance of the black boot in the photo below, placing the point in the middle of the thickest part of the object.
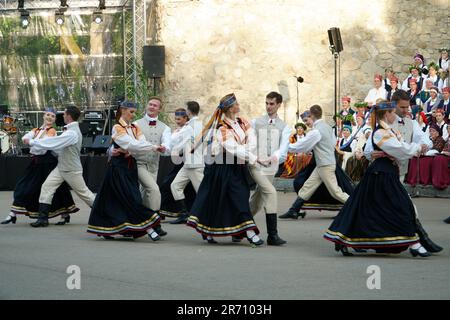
(273, 239)
(425, 241)
(294, 211)
(183, 217)
(447, 220)
(42, 220)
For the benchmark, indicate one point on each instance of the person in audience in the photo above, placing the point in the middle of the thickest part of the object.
(445, 102)
(414, 74)
(433, 102)
(378, 92)
(393, 87)
(422, 120)
(444, 60)
(424, 94)
(414, 93)
(419, 62)
(347, 112)
(436, 137)
(357, 164)
(296, 162)
(345, 153)
(433, 75)
(440, 122)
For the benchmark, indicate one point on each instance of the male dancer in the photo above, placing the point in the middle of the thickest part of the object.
(157, 133)
(69, 169)
(321, 140)
(272, 144)
(192, 170)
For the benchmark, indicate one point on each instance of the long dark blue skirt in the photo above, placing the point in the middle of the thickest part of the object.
(221, 207)
(118, 207)
(378, 215)
(28, 189)
(169, 207)
(322, 199)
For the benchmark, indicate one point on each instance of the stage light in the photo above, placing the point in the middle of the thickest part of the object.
(59, 18)
(98, 17)
(24, 19)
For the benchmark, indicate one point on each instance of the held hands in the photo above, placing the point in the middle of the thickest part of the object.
(161, 148)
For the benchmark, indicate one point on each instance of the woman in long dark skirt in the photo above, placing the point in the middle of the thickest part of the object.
(118, 208)
(379, 214)
(221, 207)
(28, 188)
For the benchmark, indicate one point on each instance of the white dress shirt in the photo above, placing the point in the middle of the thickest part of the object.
(375, 94)
(57, 143)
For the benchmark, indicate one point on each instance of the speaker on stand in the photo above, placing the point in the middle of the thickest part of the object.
(154, 58)
(336, 46)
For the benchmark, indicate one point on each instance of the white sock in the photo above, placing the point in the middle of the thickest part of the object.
(252, 235)
(152, 233)
(10, 215)
(418, 246)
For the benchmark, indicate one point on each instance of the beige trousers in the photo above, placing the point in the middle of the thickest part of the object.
(327, 175)
(151, 195)
(184, 176)
(73, 178)
(265, 195)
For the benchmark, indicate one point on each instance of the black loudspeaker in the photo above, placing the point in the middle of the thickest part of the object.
(86, 144)
(154, 61)
(101, 144)
(334, 36)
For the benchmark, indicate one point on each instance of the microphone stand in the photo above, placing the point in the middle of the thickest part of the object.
(299, 80)
(335, 57)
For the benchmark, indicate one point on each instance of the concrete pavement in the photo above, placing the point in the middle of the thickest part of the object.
(34, 262)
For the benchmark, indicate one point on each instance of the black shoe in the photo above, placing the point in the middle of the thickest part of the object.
(159, 230)
(42, 220)
(294, 210)
(415, 253)
(40, 223)
(236, 239)
(425, 240)
(345, 252)
(447, 220)
(342, 249)
(273, 239)
(256, 243)
(209, 239)
(10, 219)
(108, 238)
(181, 219)
(63, 221)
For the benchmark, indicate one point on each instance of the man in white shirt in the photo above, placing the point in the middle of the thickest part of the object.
(192, 170)
(322, 141)
(379, 92)
(69, 169)
(272, 144)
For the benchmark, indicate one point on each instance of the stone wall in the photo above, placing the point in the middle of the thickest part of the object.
(214, 47)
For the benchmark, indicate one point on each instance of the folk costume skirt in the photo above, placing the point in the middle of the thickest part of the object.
(378, 215)
(118, 207)
(28, 188)
(221, 207)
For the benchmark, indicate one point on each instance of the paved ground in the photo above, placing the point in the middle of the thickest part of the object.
(33, 263)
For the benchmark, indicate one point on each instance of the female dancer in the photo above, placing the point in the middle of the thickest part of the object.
(221, 207)
(118, 208)
(379, 214)
(28, 188)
